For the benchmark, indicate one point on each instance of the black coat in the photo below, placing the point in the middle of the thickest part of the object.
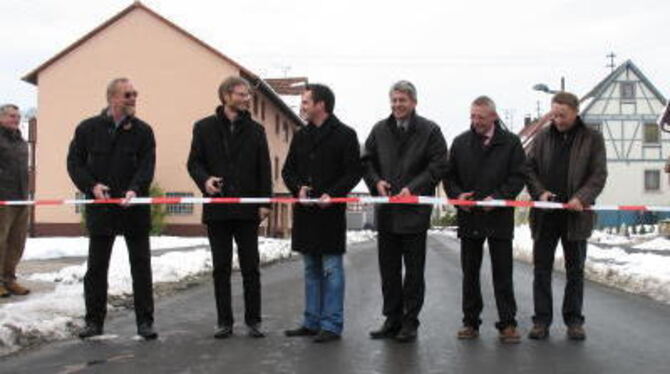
(496, 170)
(327, 159)
(123, 159)
(416, 159)
(242, 159)
(13, 165)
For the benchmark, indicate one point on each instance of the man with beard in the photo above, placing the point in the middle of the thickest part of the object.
(486, 163)
(230, 158)
(405, 154)
(113, 155)
(323, 162)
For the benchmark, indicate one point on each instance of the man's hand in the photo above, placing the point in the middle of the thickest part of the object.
(324, 201)
(304, 190)
(213, 185)
(100, 191)
(547, 196)
(383, 188)
(575, 205)
(263, 213)
(488, 208)
(404, 192)
(465, 196)
(126, 200)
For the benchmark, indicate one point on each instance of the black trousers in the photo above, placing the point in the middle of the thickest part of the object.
(502, 264)
(245, 234)
(403, 298)
(95, 280)
(554, 227)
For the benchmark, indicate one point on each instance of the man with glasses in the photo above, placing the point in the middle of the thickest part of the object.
(112, 155)
(230, 158)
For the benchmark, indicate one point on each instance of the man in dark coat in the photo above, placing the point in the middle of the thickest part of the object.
(486, 162)
(13, 186)
(405, 154)
(230, 158)
(323, 162)
(567, 163)
(113, 155)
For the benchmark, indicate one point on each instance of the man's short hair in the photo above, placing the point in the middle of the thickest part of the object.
(111, 86)
(405, 87)
(4, 108)
(485, 101)
(228, 86)
(566, 98)
(322, 93)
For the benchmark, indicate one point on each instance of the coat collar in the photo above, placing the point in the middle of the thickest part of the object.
(392, 123)
(10, 134)
(498, 134)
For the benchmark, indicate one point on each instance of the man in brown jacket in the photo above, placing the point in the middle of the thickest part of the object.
(567, 164)
(13, 186)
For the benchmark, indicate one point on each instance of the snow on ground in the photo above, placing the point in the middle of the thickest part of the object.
(57, 314)
(657, 244)
(57, 247)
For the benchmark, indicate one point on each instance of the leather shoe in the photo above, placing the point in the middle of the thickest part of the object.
(387, 331)
(90, 330)
(576, 332)
(16, 288)
(538, 332)
(4, 292)
(301, 331)
(223, 332)
(407, 334)
(254, 331)
(468, 333)
(325, 336)
(146, 330)
(509, 335)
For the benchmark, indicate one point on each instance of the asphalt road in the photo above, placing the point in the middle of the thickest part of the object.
(626, 333)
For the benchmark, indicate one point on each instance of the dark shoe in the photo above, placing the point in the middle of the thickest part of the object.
(387, 331)
(301, 331)
(576, 332)
(509, 335)
(406, 334)
(254, 331)
(16, 289)
(325, 336)
(223, 332)
(4, 292)
(538, 332)
(146, 330)
(90, 330)
(467, 333)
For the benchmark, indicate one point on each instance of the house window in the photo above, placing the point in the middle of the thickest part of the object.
(277, 124)
(627, 90)
(179, 209)
(78, 209)
(262, 110)
(651, 134)
(652, 180)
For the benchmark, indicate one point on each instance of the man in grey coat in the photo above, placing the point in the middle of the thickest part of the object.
(404, 155)
(567, 163)
(13, 186)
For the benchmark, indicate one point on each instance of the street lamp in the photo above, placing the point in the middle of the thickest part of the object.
(545, 88)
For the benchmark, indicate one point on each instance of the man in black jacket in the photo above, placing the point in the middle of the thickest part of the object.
(486, 163)
(113, 155)
(230, 158)
(13, 186)
(323, 162)
(405, 154)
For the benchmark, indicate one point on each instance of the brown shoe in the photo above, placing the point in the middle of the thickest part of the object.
(4, 292)
(509, 335)
(468, 333)
(576, 332)
(17, 289)
(538, 332)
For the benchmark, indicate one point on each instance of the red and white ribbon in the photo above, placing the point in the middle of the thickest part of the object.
(375, 200)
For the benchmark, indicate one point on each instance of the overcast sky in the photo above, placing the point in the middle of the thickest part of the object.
(452, 51)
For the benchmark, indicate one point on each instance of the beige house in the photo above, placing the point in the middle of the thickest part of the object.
(177, 76)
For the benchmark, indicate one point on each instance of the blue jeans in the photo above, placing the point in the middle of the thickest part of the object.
(324, 292)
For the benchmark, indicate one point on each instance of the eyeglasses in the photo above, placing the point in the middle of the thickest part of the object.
(130, 94)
